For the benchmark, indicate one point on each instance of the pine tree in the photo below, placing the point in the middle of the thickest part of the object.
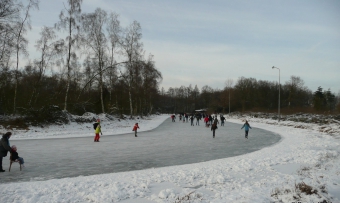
(319, 99)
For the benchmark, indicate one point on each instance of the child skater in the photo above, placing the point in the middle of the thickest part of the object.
(135, 129)
(246, 127)
(15, 156)
(97, 130)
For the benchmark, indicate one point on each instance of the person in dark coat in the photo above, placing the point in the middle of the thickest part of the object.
(222, 120)
(192, 120)
(4, 148)
(210, 120)
(214, 126)
(198, 118)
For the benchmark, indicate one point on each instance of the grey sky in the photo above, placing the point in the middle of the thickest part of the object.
(207, 42)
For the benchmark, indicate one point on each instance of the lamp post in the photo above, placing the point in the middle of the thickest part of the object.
(279, 91)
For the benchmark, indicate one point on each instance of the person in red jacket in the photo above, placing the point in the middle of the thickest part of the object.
(206, 120)
(135, 129)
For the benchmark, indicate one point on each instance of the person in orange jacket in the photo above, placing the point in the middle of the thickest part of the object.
(135, 129)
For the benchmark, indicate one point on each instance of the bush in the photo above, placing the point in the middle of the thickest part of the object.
(45, 115)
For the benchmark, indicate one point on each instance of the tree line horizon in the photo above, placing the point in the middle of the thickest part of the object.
(101, 67)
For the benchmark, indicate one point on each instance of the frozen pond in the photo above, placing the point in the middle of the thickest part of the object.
(170, 144)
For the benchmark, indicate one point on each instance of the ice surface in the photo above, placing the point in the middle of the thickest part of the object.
(170, 144)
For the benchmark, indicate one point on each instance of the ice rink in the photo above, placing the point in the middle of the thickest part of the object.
(169, 144)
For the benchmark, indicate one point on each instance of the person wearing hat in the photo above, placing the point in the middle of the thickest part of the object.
(4, 148)
(98, 130)
(15, 156)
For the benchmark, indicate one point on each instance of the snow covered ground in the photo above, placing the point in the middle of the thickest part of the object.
(304, 166)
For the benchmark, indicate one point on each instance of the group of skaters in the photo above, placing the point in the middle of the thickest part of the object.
(209, 120)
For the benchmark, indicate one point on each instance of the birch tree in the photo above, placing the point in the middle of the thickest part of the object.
(114, 31)
(20, 29)
(69, 22)
(96, 42)
(132, 48)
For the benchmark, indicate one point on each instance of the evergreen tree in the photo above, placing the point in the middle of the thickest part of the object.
(330, 100)
(319, 99)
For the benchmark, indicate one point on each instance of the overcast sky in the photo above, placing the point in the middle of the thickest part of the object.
(206, 42)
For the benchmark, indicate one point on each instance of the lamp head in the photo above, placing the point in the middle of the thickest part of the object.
(273, 67)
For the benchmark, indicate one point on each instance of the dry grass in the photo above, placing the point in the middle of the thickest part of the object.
(18, 123)
(187, 198)
(304, 188)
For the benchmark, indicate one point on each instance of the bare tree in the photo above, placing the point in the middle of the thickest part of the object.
(132, 49)
(69, 21)
(114, 35)
(21, 28)
(294, 85)
(245, 88)
(9, 15)
(151, 78)
(49, 50)
(206, 95)
(95, 41)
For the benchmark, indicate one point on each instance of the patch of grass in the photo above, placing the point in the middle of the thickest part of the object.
(189, 197)
(299, 192)
(304, 188)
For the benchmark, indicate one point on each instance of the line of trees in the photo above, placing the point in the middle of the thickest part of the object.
(94, 64)
(88, 62)
(249, 94)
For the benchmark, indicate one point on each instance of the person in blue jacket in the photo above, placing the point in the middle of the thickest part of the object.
(246, 127)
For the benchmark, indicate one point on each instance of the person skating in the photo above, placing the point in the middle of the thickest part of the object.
(210, 119)
(4, 148)
(98, 130)
(135, 129)
(15, 156)
(222, 120)
(246, 127)
(173, 117)
(206, 120)
(214, 126)
(215, 121)
(192, 120)
(198, 119)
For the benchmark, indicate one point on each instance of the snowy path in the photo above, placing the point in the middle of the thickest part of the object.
(170, 144)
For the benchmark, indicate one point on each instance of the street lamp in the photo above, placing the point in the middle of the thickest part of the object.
(279, 90)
